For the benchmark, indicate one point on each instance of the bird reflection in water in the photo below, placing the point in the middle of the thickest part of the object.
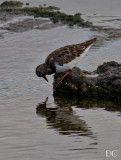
(63, 119)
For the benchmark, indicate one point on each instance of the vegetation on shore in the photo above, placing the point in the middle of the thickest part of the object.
(50, 12)
(11, 4)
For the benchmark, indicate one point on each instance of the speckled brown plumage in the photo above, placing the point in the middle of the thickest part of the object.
(68, 53)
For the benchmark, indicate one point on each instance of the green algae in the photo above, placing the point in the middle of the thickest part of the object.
(102, 68)
(51, 12)
(11, 4)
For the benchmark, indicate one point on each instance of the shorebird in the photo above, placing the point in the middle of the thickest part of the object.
(64, 59)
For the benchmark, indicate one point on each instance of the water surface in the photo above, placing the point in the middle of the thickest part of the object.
(33, 126)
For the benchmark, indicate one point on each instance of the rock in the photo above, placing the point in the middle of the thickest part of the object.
(107, 83)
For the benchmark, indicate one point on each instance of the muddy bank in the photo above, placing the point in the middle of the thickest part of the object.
(104, 82)
(18, 22)
(9, 10)
(29, 24)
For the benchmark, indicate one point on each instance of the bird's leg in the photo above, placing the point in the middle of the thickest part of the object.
(62, 77)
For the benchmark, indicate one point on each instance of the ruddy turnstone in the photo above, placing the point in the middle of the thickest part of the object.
(63, 59)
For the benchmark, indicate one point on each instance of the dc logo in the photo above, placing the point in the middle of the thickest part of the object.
(112, 153)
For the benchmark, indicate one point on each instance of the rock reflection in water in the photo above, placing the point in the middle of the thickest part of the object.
(87, 103)
(63, 119)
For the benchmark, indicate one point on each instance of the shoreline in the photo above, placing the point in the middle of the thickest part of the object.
(20, 23)
(49, 17)
(13, 9)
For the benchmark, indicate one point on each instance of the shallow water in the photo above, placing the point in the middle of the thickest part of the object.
(33, 126)
(103, 7)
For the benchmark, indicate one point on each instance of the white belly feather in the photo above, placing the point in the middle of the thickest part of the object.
(71, 64)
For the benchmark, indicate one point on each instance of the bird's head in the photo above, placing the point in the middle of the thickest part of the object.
(41, 71)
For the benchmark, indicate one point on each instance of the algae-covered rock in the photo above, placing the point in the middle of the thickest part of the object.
(107, 83)
(106, 66)
(75, 83)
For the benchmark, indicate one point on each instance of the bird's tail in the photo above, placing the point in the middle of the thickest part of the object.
(89, 42)
(86, 46)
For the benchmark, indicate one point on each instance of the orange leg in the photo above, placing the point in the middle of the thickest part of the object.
(65, 75)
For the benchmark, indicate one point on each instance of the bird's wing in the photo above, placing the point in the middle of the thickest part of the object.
(68, 53)
(65, 54)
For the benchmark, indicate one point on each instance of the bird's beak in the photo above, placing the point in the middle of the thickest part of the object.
(45, 78)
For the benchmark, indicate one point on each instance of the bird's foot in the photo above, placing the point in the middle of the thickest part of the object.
(63, 76)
